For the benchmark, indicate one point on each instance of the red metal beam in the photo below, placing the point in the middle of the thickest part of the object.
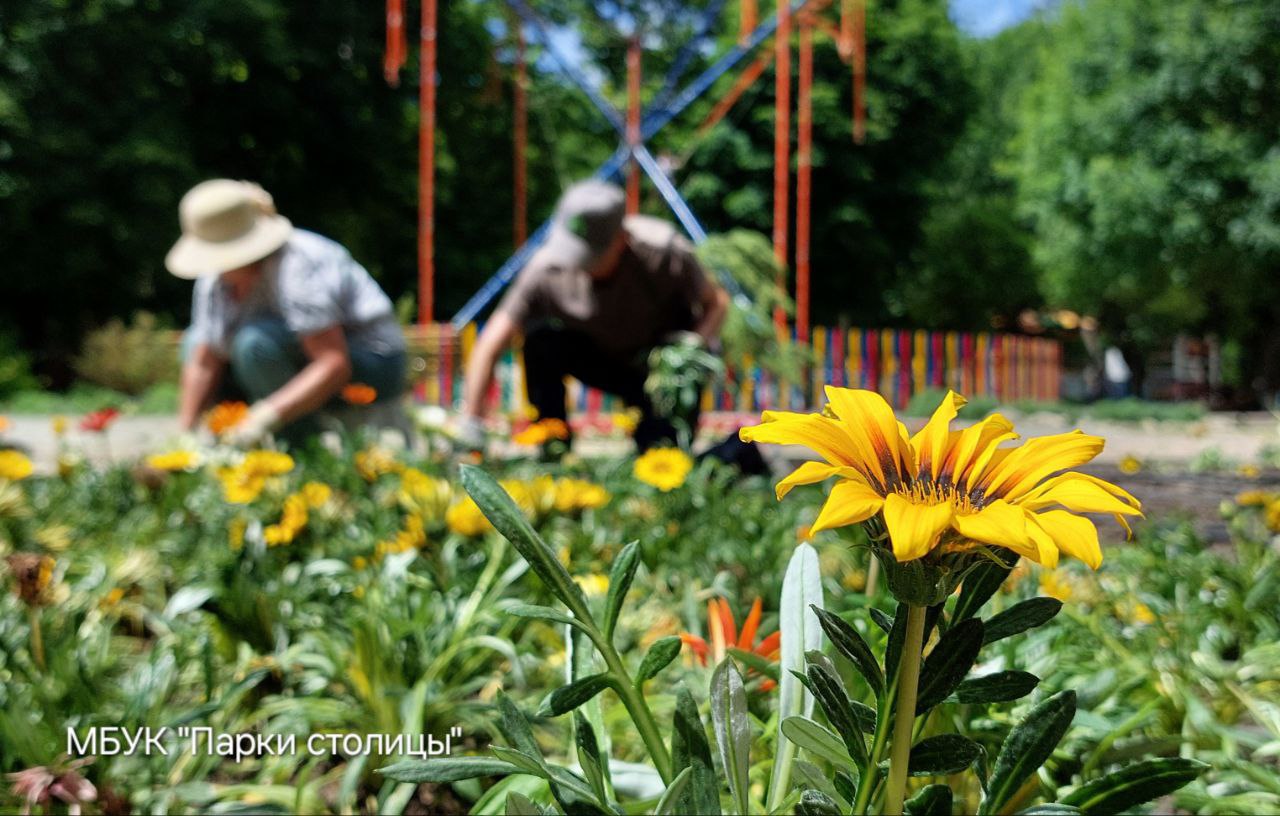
(748, 17)
(393, 59)
(782, 150)
(804, 162)
(859, 50)
(744, 82)
(520, 128)
(427, 162)
(633, 122)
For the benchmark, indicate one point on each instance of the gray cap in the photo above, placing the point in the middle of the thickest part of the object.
(587, 219)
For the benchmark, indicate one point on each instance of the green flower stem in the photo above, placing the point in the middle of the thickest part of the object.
(905, 715)
(871, 771)
(633, 699)
(37, 639)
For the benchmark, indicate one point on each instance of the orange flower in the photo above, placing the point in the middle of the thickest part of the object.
(722, 628)
(359, 393)
(541, 432)
(99, 420)
(225, 416)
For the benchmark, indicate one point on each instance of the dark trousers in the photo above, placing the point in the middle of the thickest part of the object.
(551, 354)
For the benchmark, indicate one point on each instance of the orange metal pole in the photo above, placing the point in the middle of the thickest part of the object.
(782, 150)
(633, 122)
(427, 162)
(520, 114)
(804, 160)
(743, 83)
(748, 17)
(393, 61)
(859, 71)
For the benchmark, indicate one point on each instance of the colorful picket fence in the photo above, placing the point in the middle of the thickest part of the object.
(897, 363)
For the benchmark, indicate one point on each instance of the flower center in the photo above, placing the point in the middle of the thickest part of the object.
(927, 491)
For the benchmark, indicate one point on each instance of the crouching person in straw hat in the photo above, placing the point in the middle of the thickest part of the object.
(291, 315)
(592, 303)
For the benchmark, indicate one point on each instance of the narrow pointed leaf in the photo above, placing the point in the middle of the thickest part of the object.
(1020, 617)
(845, 785)
(942, 755)
(881, 619)
(1028, 745)
(515, 727)
(851, 644)
(1134, 785)
(1050, 809)
(447, 769)
(800, 631)
(659, 656)
(1001, 687)
(567, 698)
(671, 796)
(818, 740)
(948, 663)
(809, 775)
(620, 577)
(690, 749)
(893, 648)
(589, 756)
(817, 803)
(542, 613)
(763, 665)
(831, 695)
(932, 800)
(520, 805)
(733, 729)
(983, 582)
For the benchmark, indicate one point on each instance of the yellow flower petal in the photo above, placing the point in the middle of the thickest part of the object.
(812, 473)
(999, 524)
(849, 503)
(1079, 495)
(1075, 536)
(818, 433)
(869, 422)
(1026, 466)
(914, 528)
(1046, 551)
(930, 444)
(977, 442)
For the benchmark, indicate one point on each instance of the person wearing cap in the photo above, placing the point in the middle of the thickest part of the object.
(288, 313)
(592, 302)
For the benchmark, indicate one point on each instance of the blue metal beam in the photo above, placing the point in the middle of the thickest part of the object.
(686, 52)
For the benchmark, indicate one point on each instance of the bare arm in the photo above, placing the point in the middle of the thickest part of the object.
(496, 336)
(715, 305)
(328, 370)
(200, 377)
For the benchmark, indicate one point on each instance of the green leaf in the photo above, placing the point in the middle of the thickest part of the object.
(503, 513)
(809, 775)
(931, 800)
(567, 698)
(620, 577)
(850, 644)
(542, 613)
(659, 656)
(1020, 617)
(1050, 809)
(733, 729)
(893, 648)
(982, 583)
(818, 740)
(816, 803)
(689, 749)
(589, 756)
(942, 755)
(881, 619)
(831, 695)
(520, 805)
(1001, 687)
(1134, 784)
(1026, 748)
(751, 660)
(948, 663)
(844, 784)
(523, 762)
(671, 796)
(446, 769)
(515, 727)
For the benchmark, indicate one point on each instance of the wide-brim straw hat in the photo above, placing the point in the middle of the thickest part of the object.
(225, 225)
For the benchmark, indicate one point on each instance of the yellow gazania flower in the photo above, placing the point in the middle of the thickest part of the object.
(664, 468)
(174, 460)
(375, 462)
(240, 486)
(424, 495)
(14, 466)
(1255, 498)
(572, 495)
(315, 494)
(1130, 465)
(293, 518)
(944, 489)
(267, 462)
(465, 518)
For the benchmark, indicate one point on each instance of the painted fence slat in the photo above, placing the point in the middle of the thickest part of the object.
(898, 363)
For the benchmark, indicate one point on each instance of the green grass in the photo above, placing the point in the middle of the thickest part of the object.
(83, 398)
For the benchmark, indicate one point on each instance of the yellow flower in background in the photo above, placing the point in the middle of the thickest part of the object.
(267, 462)
(1272, 516)
(594, 585)
(115, 596)
(174, 460)
(572, 495)
(465, 518)
(1130, 465)
(293, 518)
(359, 562)
(1055, 586)
(374, 462)
(235, 534)
(1249, 471)
(240, 486)
(425, 495)
(59, 425)
(316, 494)
(945, 490)
(14, 466)
(664, 468)
(410, 537)
(56, 537)
(626, 421)
(1135, 613)
(1255, 498)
